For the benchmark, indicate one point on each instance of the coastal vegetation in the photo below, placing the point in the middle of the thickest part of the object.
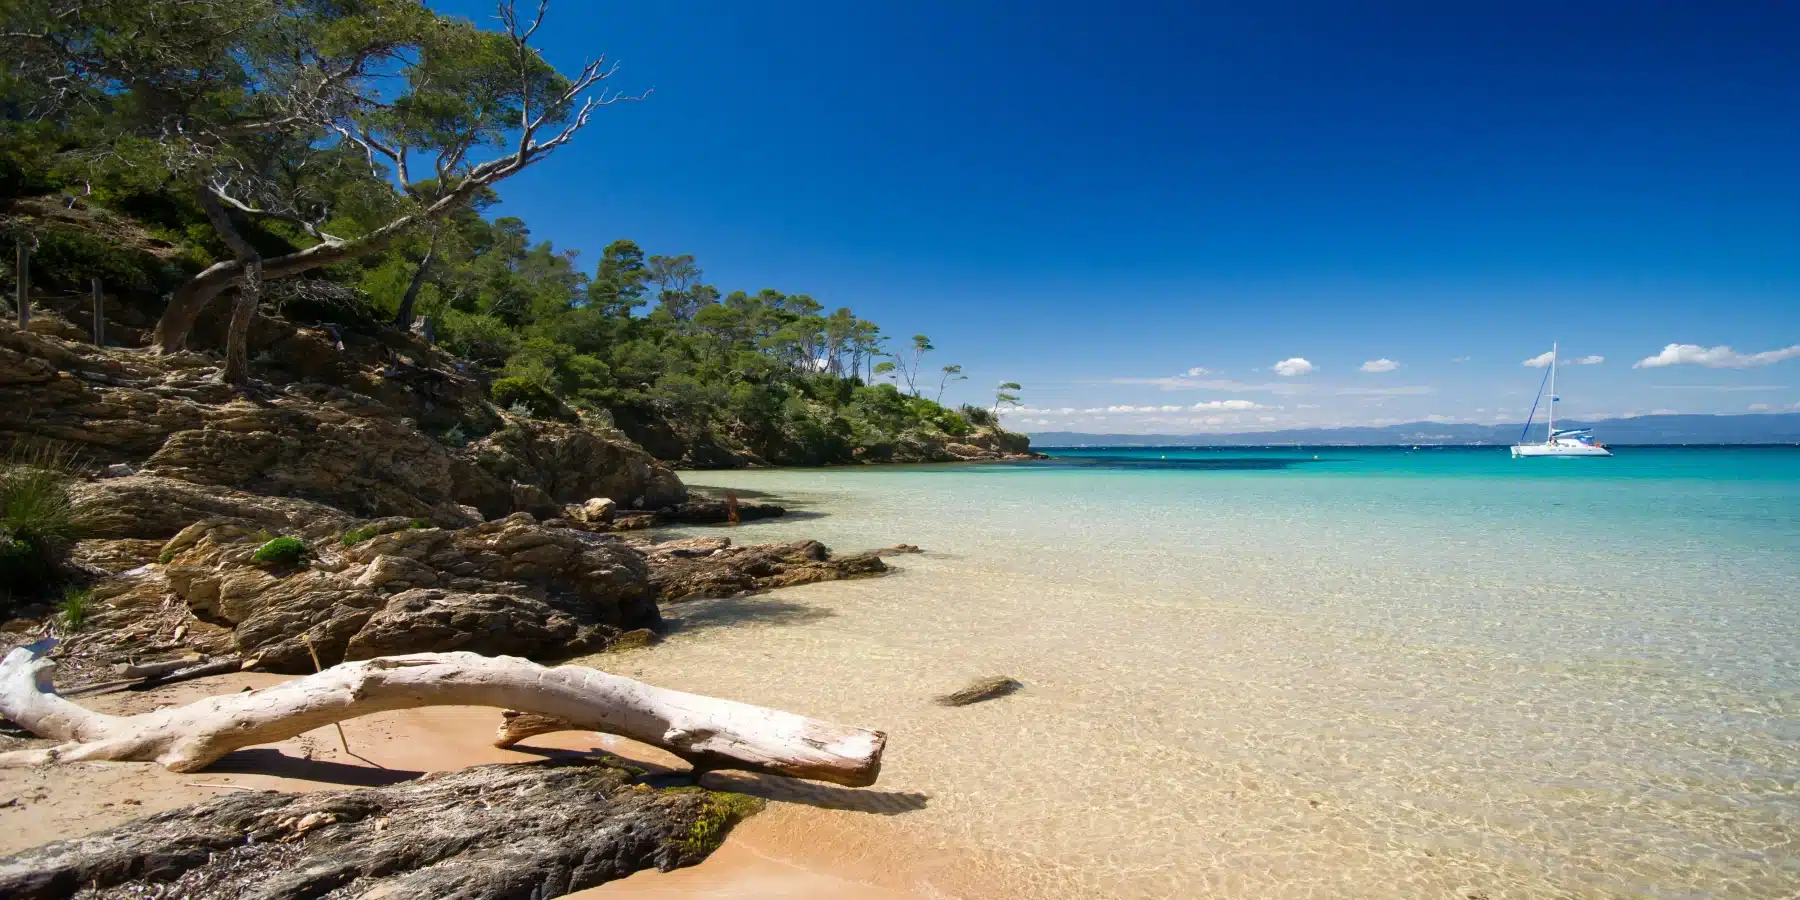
(38, 522)
(339, 163)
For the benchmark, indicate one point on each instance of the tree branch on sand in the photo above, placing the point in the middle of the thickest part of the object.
(708, 732)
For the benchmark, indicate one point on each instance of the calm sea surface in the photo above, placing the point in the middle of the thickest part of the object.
(1327, 672)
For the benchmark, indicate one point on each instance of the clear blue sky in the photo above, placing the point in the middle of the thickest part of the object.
(1095, 198)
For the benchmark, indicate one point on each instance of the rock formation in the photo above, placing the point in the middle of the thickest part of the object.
(357, 442)
(712, 567)
(456, 834)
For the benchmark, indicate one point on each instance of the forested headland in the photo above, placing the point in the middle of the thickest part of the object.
(342, 165)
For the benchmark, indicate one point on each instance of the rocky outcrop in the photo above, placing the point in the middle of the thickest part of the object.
(575, 824)
(712, 567)
(512, 586)
(155, 507)
(709, 511)
(568, 464)
(985, 444)
(354, 443)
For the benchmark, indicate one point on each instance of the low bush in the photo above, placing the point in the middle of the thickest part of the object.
(520, 394)
(281, 551)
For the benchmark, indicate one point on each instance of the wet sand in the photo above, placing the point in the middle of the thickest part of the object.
(56, 802)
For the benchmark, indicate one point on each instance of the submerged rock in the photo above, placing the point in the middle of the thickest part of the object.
(481, 833)
(990, 688)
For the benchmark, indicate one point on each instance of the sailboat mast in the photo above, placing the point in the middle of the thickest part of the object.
(1551, 437)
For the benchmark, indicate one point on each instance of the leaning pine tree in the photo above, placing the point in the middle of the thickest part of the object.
(351, 122)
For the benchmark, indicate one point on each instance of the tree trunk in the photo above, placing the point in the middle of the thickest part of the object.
(237, 339)
(404, 318)
(710, 733)
(187, 302)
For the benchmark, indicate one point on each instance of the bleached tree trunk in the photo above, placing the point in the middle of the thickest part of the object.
(709, 732)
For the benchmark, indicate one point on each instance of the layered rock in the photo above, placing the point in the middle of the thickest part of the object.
(575, 824)
(356, 444)
(154, 507)
(512, 586)
(712, 567)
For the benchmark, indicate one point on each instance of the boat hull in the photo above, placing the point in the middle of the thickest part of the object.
(1571, 451)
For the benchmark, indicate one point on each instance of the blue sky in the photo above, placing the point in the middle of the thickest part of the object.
(1095, 199)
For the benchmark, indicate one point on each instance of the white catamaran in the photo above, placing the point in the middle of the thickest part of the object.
(1570, 442)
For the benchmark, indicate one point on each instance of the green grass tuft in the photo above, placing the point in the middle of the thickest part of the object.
(38, 518)
(73, 610)
(281, 551)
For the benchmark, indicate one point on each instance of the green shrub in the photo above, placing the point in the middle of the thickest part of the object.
(979, 416)
(481, 338)
(954, 424)
(73, 610)
(281, 551)
(34, 500)
(514, 393)
(38, 519)
(455, 437)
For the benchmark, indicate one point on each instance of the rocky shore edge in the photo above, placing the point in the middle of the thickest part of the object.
(336, 514)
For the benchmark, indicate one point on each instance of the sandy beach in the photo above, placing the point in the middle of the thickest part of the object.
(762, 858)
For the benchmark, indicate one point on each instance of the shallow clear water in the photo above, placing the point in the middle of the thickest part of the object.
(1303, 673)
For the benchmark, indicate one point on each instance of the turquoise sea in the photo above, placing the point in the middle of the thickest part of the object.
(1298, 672)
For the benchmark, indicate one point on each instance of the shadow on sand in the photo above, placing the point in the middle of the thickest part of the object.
(822, 796)
(692, 616)
(268, 761)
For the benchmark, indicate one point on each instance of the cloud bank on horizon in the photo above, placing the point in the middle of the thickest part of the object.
(1446, 392)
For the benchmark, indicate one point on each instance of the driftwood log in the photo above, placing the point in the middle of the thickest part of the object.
(482, 833)
(708, 732)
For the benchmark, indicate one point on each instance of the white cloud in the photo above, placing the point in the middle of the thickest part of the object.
(1198, 372)
(1720, 357)
(1759, 407)
(1380, 365)
(1228, 404)
(1293, 366)
(1664, 412)
(1461, 359)
(1309, 406)
(1543, 359)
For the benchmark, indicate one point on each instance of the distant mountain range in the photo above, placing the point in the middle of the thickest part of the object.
(1766, 428)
